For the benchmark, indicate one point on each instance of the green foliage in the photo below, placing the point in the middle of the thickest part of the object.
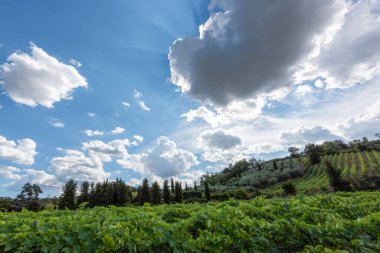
(241, 194)
(28, 198)
(156, 194)
(207, 192)
(178, 195)
(144, 192)
(67, 198)
(289, 188)
(313, 152)
(166, 190)
(339, 222)
(335, 178)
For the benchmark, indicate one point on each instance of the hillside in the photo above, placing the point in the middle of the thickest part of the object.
(357, 163)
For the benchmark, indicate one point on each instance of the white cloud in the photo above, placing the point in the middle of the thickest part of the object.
(350, 53)
(89, 132)
(363, 125)
(39, 79)
(137, 94)
(76, 165)
(91, 114)
(303, 135)
(21, 152)
(75, 63)
(118, 130)
(218, 139)
(143, 106)
(303, 90)
(138, 138)
(163, 160)
(10, 172)
(43, 179)
(56, 123)
(250, 48)
(105, 151)
(126, 104)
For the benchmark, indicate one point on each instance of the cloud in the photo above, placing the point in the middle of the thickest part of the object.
(250, 48)
(91, 114)
(75, 63)
(350, 53)
(138, 138)
(164, 160)
(105, 151)
(76, 165)
(21, 152)
(363, 125)
(89, 132)
(10, 172)
(126, 104)
(137, 94)
(143, 106)
(56, 123)
(303, 135)
(118, 130)
(39, 79)
(218, 139)
(43, 179)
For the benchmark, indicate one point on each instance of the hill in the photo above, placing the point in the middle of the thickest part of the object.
(358, 162)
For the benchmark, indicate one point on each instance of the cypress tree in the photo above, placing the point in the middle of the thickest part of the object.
(166, 192)
(275, 167)
(172, 185)
(84, 192)
(178, 192)
(195, 186)
(144, 194)
(186, 188)
(156, 194)
(67, 198)
(207, 192)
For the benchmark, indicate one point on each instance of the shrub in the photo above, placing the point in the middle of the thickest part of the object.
(241, 194)
(289, 188)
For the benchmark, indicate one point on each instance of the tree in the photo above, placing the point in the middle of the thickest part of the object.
(207, 192)
(178, 196)
(156, 194)
(144, 193)
(275, 167)
(294, 152)
(377, 135)
(167, 195)
(335, 178)
(313, 151)
(84, 193)
(195, 186)
(67, 198)
(172, 185)
(28, 198)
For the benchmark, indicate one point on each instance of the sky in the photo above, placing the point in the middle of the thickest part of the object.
(176, 88)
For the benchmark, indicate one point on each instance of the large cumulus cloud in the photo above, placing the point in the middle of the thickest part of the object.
(39, 79)
(251, 47)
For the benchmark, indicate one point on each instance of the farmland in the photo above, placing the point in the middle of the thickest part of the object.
(338, 221)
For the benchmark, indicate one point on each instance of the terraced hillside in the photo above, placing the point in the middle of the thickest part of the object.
(353, 165)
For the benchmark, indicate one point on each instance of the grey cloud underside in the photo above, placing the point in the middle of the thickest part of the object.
(250, 48)
(219, 139)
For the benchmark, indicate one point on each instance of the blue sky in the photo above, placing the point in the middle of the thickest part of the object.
(160, 89)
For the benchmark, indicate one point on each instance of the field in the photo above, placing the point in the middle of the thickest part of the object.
(318, 223)
(353, 165)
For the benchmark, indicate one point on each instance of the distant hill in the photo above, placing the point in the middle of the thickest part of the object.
(358, 162)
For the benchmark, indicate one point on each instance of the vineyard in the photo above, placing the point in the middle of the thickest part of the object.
(352, 165)
(319, 223)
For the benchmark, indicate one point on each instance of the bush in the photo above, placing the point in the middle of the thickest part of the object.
(192, 194)
(221, 196)
(241, 194)
(289, 188)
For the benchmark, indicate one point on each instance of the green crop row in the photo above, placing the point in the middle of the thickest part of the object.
(318, 223)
